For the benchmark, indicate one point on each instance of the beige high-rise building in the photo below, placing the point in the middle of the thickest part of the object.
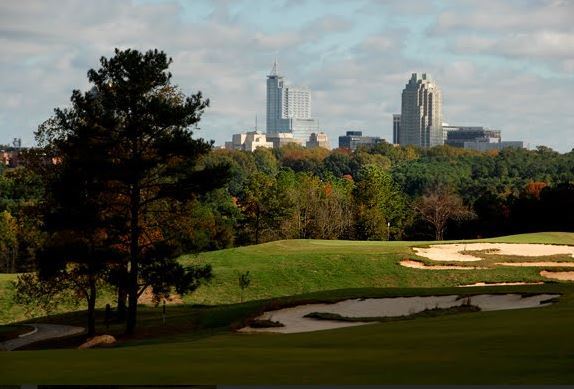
(318, 140)
(421, 113)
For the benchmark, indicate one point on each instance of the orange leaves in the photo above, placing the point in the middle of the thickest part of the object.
(533, 189)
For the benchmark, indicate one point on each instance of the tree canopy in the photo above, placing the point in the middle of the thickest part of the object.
(130, 139)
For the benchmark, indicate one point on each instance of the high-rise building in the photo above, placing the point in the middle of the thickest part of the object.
(396, 128)
(288, 108)
(421, 112)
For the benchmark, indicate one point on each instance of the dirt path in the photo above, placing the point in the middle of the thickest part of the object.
(42, 332)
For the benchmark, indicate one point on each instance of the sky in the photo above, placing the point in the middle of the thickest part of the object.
(506, 65)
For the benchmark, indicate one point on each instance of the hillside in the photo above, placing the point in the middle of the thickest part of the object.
(292, 267)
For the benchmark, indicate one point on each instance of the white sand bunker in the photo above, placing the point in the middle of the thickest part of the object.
(294, 321)
(421, 265)
(500, 284)
(458, 252)
(558, 275)
(537, 264)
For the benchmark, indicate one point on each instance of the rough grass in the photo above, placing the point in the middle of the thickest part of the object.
(527, 346)
(10, 312)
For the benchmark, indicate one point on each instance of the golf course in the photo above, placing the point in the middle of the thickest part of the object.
(198, 341)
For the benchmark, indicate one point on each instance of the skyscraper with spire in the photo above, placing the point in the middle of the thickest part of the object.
(288, 108)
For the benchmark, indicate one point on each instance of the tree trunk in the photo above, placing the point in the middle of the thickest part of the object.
(122, 302)
(257, 221)
(14, 255)
(92, 306)
(439, 233)
(134, 262)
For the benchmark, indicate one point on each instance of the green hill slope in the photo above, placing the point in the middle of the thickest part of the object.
(300, 266)
(293, 267)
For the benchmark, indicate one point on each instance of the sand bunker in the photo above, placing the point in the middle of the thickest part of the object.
(558, 275)
(147, 298)
(420, 265)
(458, 252)
(294, 320)
(500, 284)
(537, 264)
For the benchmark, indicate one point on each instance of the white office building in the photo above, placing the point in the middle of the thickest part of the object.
(248, 141)
(421, 113)
(288, 108)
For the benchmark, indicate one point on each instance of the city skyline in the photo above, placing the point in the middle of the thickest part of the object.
(507, 65)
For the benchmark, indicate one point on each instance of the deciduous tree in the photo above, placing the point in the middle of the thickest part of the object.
(439, 206)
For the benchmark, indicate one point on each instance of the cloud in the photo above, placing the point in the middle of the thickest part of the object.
(543, 44)
(356, 57)
(516, 16)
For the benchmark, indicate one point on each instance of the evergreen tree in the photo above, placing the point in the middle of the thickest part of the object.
(139, 126)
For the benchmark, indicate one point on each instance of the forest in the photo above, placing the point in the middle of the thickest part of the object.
(376, 193)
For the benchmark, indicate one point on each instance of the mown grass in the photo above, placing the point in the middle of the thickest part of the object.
(528, 346)
(295, 267)
(301, 266)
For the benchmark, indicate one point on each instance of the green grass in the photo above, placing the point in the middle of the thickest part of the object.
(11, 312)
(197, 344)
(301, 266)
(285, 268)
(528, 346)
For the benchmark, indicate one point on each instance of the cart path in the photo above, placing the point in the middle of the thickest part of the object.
(40, 332)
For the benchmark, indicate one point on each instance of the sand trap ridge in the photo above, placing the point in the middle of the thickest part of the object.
(420, 265)
(458, 252)
(537, 264)
(500, 284)
(558, 275)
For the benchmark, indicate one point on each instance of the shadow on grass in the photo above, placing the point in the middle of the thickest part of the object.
(189, 323)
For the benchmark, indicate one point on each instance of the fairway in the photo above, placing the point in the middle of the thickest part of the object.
(293, 267)
(198, 344)
(511, 347)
